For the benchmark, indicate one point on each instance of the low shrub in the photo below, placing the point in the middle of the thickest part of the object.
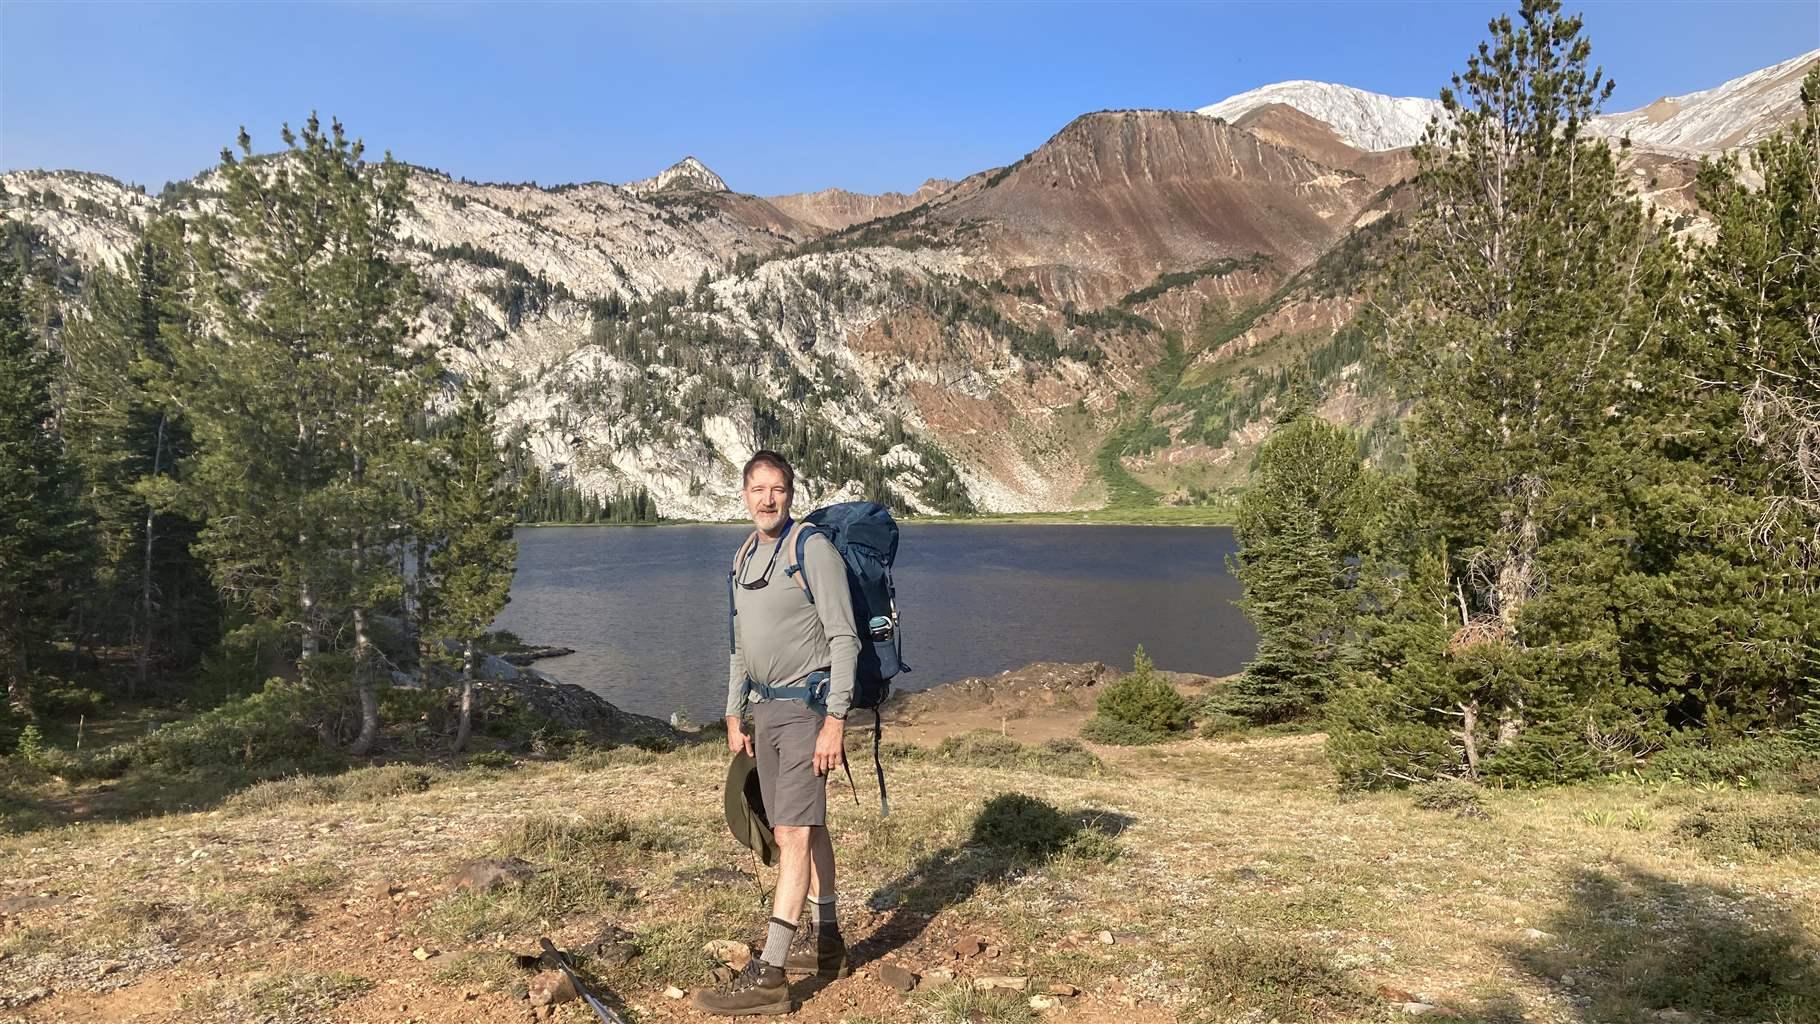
(286, 994)
(1260, 978)
(1800, 777)
(1776, 831)
(495, 759)
(1461, 798)
(283, 723)
(246, 654)
(1221, 725)
(1119, 733)
(983, 748)
(1745, 763)
(580, 860)
(1026, 829)
(1065, 757)
(69, 701)
(381, 782)
(964, 1004)
(1145, 700)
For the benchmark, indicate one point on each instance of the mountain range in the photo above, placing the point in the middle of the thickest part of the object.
(1113, 316)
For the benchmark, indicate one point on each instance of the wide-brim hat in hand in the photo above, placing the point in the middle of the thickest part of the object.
(745, 803)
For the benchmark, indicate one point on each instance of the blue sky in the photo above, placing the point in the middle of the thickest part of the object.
(776, 97)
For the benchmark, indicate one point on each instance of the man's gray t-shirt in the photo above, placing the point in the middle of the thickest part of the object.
(779, 636)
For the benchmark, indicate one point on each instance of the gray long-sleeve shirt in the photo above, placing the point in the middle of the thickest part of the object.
(779, 636)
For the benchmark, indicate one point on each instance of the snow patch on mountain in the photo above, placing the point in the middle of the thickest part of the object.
(1738, 113)
(1368, 120)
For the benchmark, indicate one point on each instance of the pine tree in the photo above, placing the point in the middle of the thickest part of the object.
(127, 437)
(467, 526)
(1746, 432)
(1299, 530)
(1517, 294)
(1526, 321)
(1759, 300)
(42, 535)
(302, 395)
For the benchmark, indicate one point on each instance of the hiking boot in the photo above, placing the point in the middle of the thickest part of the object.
(757, 988)
(819, 952)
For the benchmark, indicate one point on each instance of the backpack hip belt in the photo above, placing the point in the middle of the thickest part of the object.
(812, 688)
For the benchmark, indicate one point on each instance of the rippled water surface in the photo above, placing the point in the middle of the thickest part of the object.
(646, 608)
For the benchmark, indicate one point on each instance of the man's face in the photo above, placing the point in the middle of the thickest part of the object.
(767, 498)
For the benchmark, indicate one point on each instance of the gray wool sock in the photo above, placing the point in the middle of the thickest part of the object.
(777, 943)
(822, 912)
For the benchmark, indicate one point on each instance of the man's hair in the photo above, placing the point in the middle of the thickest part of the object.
(766, 457)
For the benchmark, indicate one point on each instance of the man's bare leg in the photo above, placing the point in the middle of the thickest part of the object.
(793, 873)
(821, 862)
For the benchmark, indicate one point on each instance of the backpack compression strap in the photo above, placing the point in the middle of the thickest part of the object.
(878, 765)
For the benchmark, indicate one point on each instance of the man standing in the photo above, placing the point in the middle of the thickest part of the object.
(793, 664)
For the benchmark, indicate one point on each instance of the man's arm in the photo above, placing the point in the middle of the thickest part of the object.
(827, 576)
(736, 697)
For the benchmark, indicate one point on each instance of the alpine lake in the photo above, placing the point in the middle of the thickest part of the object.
(645, 608)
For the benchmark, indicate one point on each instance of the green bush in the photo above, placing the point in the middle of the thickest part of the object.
(490, 759)
(248, 653)
(68, 701)
(285, 723)
(1258, 978)
(381, 782)
(1749, 762)
(1220, 724)
(1026, 829)
(1462, 798)
(30, 746)
(1140, 708)
(983, 748)
(1116, 733)
(1773, 831)
(1065, 757)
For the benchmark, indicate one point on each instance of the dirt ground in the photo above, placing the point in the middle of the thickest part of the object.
(1174, 866)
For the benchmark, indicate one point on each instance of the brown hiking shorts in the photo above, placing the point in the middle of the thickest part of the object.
(783, 741)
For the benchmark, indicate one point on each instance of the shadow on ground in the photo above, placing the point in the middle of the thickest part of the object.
(1013, 835)
(1632, 947)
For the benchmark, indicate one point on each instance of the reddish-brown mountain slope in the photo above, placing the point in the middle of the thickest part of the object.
(1115, 199)
(1285, 126)
(837, 208)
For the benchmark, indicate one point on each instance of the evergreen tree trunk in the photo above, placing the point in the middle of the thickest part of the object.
(18, 690)
(306, 602)
(145, 581)
(467, 697)
(363, 678)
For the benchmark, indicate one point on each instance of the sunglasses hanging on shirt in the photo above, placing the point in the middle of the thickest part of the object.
(764, 578)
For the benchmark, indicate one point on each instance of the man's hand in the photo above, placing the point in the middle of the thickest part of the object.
(737, 738)
(828, 744)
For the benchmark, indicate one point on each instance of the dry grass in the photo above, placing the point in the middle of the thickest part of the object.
(1239, 885)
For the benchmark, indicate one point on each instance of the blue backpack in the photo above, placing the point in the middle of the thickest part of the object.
(866, 537)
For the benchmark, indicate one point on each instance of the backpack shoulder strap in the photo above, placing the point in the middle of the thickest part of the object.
(799, 536)
(739, 561)
(745, 550)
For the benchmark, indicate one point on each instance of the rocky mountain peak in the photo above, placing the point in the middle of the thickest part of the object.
(1366, 120)
(687, 173)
